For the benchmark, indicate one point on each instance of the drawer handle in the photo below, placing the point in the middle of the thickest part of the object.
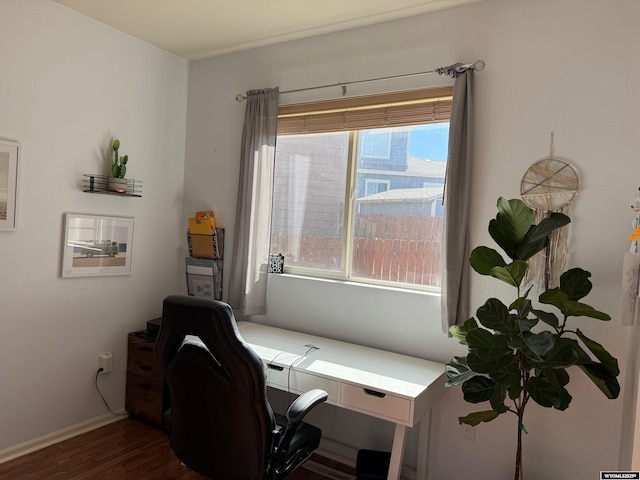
(373, 393)
(146, 368)
(275, 367)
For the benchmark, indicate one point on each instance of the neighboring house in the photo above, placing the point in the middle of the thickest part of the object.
(423, 202)
(393, 182)
(390, 181)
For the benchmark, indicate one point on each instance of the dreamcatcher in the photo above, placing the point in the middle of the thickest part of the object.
(549, 185)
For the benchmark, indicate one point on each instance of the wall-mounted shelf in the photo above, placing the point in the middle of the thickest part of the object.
(100, 184)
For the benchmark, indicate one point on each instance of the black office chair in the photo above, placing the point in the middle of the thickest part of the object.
(221, 423)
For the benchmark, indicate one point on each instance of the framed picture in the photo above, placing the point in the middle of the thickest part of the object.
(97, 245)
(8, 184)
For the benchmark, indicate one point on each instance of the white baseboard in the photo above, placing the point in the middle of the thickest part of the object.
(58, 436)
(348, 455)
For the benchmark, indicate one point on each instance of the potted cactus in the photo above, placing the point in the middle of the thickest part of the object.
(117, 182)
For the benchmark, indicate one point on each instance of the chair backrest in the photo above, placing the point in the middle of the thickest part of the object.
(221, 421)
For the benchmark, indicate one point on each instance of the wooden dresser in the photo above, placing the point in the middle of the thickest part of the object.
(147, 396)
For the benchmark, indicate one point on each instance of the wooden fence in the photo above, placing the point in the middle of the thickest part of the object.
(396, 249)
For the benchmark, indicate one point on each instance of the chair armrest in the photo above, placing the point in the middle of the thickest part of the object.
(296, 412)
(304, 403)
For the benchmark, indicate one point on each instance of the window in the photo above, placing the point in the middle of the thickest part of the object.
(373, 186)
(358, 187)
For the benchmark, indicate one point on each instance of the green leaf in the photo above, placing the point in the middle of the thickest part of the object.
(570, 308)
(547, 317)
(482, 365)
(458, 371)
(602, 378)
(526, 324)
(566, 353)
(519, 302)
(511, 224)
(558, 378)
(608, 361)
(575, 283)
(546, 226)
(497, 399)
(478, 389)
(577, 309)
(483, 259)
(525, 251)
(476, 418)
(534, 348)
(542, 392)
(522, 321)
(537, 238)
(517, 343)
(487, 345)
(507, 371)
(460, 331)
(512, 273)
(540, 343)
(553, 296)
(494, 315)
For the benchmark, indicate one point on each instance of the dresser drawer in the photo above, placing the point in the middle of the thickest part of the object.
(299, 382)
(144, 398)
(142, 347)
(144, 367)
(378, 403)
(142, 359)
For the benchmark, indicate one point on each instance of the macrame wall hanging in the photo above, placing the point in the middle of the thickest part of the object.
(549, 185)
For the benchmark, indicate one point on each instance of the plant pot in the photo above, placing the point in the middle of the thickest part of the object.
(118, 185)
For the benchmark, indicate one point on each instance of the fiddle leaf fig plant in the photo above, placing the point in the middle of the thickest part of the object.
(520, 352)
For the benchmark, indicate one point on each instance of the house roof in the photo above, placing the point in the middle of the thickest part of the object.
(420, 167)
(403, 195)
(416, 167)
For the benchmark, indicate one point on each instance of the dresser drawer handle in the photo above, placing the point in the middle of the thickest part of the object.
(373, 393)
(275, 367)
(146, 368)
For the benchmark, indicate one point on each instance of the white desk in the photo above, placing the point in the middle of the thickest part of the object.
(393, 387)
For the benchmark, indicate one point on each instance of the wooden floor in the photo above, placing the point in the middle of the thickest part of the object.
(127, 449)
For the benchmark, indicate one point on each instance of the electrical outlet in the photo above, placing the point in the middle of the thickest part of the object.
(468, 432)
(105, 362)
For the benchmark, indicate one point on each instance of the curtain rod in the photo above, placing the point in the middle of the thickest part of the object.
(478, 66)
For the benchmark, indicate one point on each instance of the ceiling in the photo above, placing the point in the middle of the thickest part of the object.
(197, 29)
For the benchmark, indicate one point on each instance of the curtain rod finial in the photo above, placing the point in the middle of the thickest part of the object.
(240, 98)
(478, 65)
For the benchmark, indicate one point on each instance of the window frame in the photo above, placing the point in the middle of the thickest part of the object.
(294, 119)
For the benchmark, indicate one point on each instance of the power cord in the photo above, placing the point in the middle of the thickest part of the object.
(102, 396)
(270, 364)
(293, 364)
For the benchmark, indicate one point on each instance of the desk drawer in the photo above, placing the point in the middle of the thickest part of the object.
(385, 405)
(300, 382)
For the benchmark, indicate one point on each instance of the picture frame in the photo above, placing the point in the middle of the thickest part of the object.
(97, 245)
(9, 169)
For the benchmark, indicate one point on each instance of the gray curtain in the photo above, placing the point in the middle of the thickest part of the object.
(457, 195)
(248, 280)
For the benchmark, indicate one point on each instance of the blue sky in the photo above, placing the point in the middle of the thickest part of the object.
(430, 141)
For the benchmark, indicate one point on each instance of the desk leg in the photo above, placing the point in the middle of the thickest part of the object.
(424, 427)
(397, 451)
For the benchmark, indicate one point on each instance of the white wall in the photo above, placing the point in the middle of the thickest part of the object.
(67, 86)
(566, 66)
